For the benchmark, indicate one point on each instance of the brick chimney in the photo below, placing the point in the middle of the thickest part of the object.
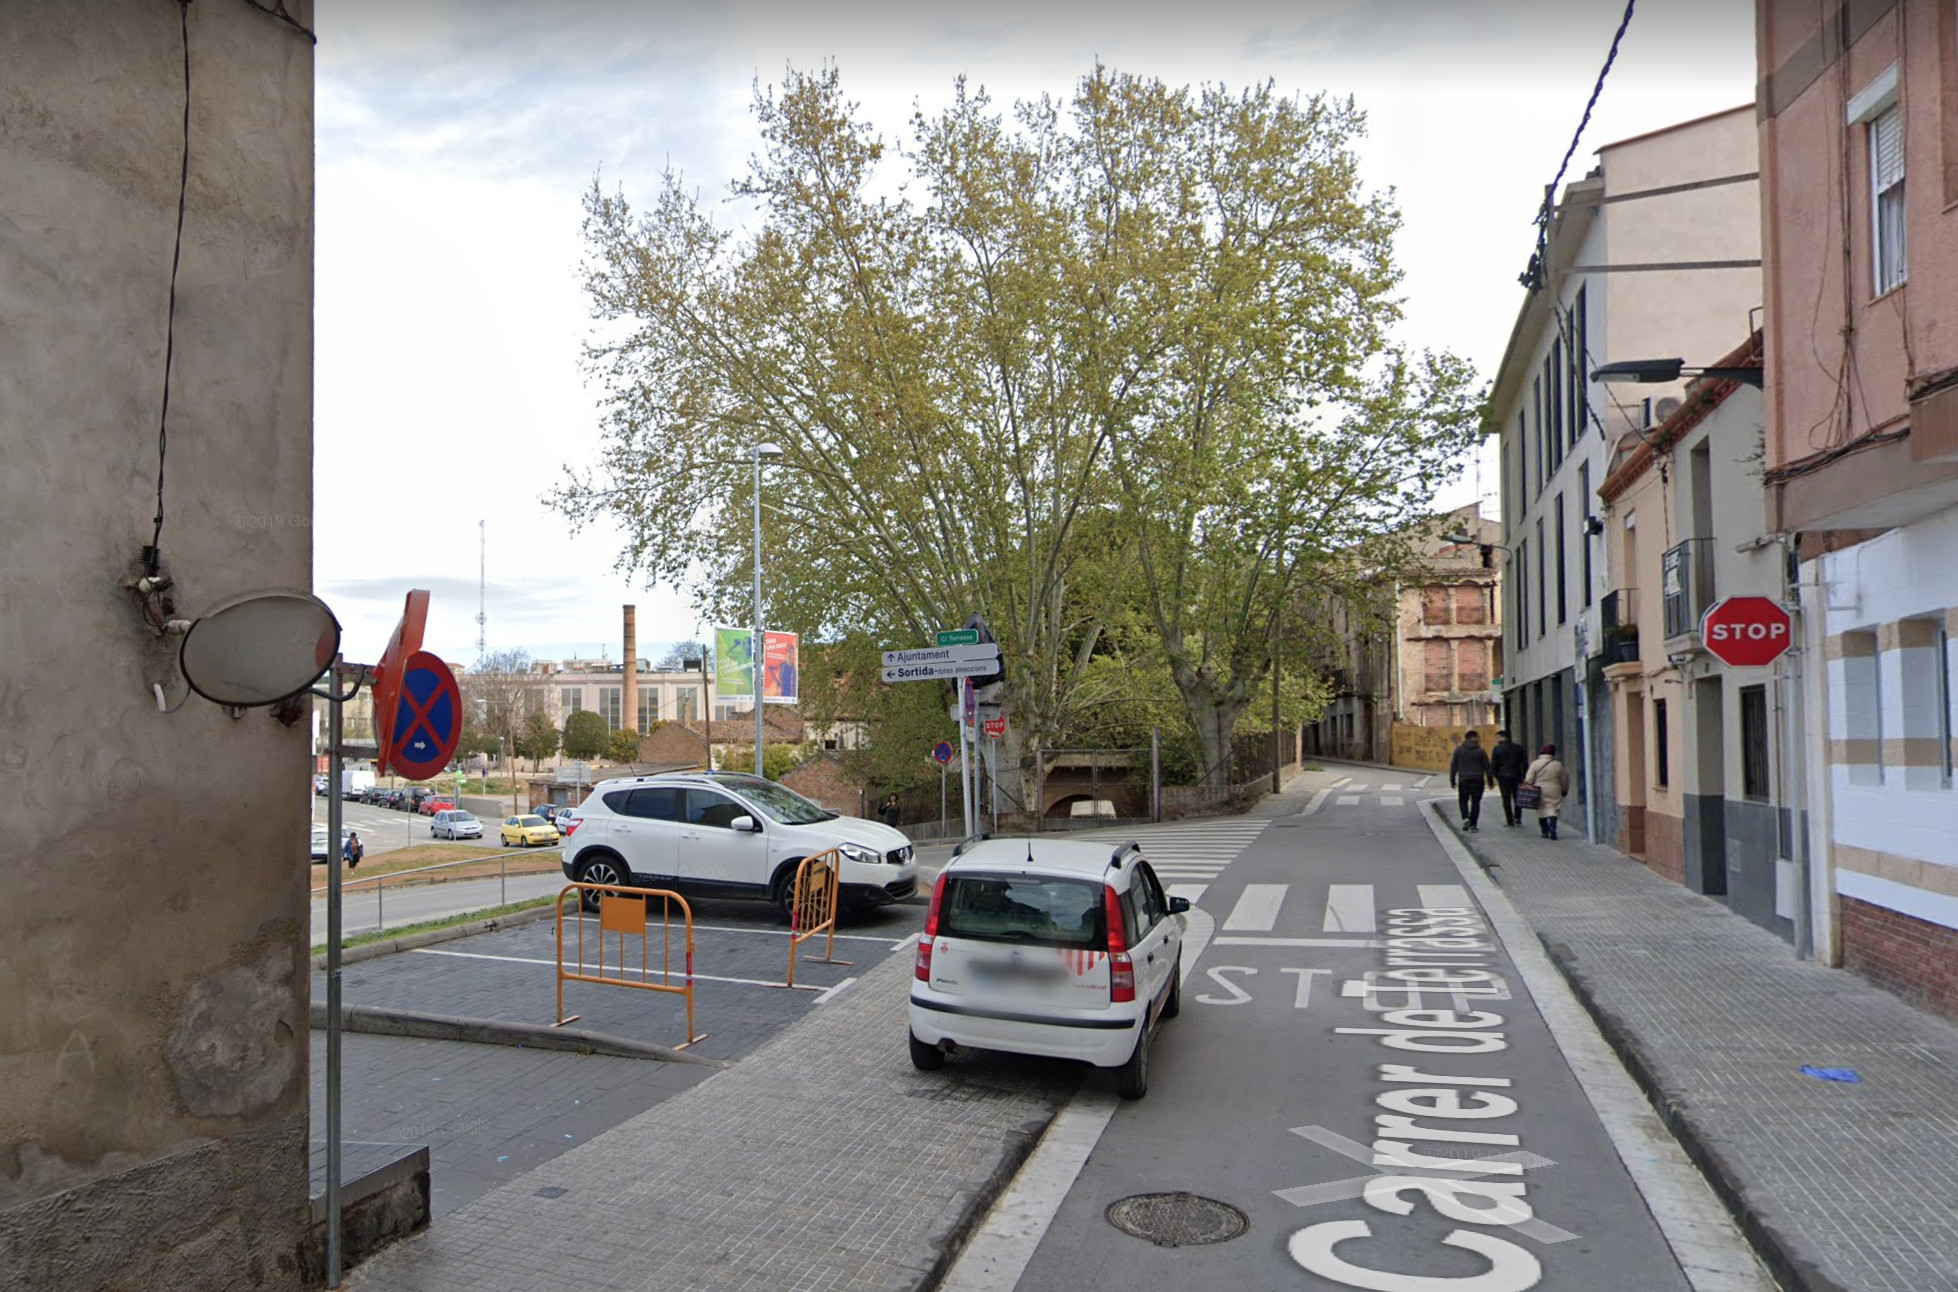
(629, 701)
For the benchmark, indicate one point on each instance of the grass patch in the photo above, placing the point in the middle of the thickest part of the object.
(448, 922)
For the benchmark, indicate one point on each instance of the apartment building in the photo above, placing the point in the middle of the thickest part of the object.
(1859, 149)
(1655, 252)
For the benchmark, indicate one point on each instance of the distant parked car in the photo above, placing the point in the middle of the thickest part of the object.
(456, 824)
(321, 853)
(431, 805)
(319, 786)
(524, 831)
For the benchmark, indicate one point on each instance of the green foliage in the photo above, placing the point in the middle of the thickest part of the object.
(537, 739)
(585, 735)
(777, 761)
(622, 746)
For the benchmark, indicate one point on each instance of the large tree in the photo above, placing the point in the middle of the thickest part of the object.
(1123, 358)
(500, 693)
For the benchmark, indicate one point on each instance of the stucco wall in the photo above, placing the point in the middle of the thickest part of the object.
(153, 1034)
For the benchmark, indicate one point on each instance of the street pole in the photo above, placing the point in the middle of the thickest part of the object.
(944, 813)
(1277, 780)
(336, 765)
(754, 643)
(1155, 774)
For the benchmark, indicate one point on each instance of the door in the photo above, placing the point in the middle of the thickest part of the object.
(712, 852)
(646, 832)
(1155, 959)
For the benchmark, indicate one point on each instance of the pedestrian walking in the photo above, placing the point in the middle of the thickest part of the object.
(1552, 782)
(1510, 762)
(353, 850)
(890, 811)
(1469, 773)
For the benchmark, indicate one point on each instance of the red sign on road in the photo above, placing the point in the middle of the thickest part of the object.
(1746, 632)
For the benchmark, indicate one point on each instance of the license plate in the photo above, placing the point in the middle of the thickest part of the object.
(1002, 972)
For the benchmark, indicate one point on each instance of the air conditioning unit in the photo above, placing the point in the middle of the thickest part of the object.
(1665, 408)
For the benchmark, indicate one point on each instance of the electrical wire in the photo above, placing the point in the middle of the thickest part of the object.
(170, 324)
(1533, 276)
(278, 10)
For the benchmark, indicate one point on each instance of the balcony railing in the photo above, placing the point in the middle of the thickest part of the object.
(1687, 574)
(1618, 612)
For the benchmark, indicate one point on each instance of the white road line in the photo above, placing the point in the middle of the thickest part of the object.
(1247, 941)
(531, 960)
(1360, 785)
(1423, 782)
(1349, 800)
(1392, 800)
(899, 946)
(1442, 895)
(1257, 907)
(1390, 788)
(823, 996)
(1700, 1231)
(1349, 909)
(1318, 800)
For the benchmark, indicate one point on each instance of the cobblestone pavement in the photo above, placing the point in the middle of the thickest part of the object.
(1840, 1186)
(821, 1161)
(487, 1113)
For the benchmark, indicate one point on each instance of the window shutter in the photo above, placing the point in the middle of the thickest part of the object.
(1887, 148)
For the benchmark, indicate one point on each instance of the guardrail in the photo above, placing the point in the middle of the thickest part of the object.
(812, 907)
(624, 911)
(380, 881)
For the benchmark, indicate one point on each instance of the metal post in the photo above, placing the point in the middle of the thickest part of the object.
(944, 814)
(1277, 780)
(754, 643)
(503, 881)
(992, 778)
(380, 912)
(1155, 774)
(336, 718)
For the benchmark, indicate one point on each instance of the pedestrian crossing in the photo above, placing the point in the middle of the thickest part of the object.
(1189, 856)
(1349, 909)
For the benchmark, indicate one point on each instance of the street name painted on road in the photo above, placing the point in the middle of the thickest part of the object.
(929, 672)
(987, 654)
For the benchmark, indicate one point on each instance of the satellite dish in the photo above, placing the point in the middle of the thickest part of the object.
(259, 649)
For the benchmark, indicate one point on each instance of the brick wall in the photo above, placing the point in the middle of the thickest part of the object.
(824, 779)
(1913, 958)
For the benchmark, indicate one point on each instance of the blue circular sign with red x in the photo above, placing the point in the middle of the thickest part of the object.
(427, 719)
(943, 752)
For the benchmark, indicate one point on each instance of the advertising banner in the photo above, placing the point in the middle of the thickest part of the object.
(781, 668)
(734, 660)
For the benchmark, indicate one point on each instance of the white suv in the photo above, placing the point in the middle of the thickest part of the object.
(729, 834)
(1054, 947)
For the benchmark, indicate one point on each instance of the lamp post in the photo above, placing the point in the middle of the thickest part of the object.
(1668, 370)
(770, 451)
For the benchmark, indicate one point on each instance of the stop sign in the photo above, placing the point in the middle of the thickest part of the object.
(1746, 632)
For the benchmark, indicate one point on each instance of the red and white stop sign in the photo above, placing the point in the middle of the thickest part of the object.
(1746, 632)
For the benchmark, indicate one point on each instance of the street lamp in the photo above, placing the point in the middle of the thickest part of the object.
(771, 452)
(1665, 370)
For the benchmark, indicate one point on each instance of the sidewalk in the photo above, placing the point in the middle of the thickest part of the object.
(1838, 1186)
(821, 1161)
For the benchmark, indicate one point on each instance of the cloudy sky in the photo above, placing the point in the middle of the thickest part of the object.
(455, 138)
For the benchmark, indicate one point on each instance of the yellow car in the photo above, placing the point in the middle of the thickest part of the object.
(527, 830)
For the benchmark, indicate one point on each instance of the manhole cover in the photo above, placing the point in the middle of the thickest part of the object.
(1177, 1219)
(552, 1191)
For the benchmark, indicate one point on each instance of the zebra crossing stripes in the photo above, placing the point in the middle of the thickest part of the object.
(1189, 856)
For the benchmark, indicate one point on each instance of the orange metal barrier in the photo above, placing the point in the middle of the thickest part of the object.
(812, 907)
(626, 912)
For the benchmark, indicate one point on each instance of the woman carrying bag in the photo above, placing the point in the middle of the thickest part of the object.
(1551, 782)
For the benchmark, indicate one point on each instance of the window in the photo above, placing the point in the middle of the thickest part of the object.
(1542, 600)
(660, 803)
(1580, 352)
(572, 699)
(1584, 509)
(1943, 663)
(1542, 448)
(1024, 911)
(1434, 605)
(1522, 582)
(1553, 388)
(1522, 468)
(1563, 579)
(1437, 665)
(1754, 742)
(611, 700)
(648, 708)
(1470, 605)
(1661, 760)
(1887, 236)
(706, 807)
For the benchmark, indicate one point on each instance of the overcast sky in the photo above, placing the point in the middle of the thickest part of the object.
(456, 136)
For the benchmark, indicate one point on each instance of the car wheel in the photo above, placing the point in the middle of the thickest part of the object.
(601, 871)
(1174, 1005)
(925, 1058)
(1132, 1078)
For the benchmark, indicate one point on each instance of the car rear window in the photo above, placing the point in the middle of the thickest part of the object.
(1024, 909)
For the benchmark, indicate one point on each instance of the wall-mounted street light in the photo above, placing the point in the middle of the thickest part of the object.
(1647, 371)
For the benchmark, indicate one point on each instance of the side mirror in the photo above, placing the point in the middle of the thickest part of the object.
(745, 824)
(1178, 905)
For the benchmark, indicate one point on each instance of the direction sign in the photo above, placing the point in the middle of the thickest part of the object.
(984, 654)
(1746, 632)
(943, 753)
(427, 720)
(933, 672)
(958, 637)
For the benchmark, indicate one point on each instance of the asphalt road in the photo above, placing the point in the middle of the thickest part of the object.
(1280, 1092)
(383, 829)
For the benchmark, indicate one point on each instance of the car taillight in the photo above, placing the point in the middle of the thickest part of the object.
(931, 930)
(1121, 970)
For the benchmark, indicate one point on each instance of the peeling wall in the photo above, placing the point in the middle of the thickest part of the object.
(153, 929)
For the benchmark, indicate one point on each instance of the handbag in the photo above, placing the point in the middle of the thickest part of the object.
(1528, 797)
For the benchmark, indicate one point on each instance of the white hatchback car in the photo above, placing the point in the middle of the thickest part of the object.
(454, 823)
(1054, 947)
(729, 834)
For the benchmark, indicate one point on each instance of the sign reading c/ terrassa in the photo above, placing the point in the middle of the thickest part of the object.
(1746, 632)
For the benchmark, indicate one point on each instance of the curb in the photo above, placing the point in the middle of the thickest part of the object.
(1785, 1255)
(428, 938)
(969, 1206)
(492, 1031)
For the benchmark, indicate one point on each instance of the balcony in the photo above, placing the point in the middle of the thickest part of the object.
(1618, 611)
(1687, 574)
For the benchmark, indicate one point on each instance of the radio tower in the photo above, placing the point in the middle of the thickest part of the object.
(482, 592)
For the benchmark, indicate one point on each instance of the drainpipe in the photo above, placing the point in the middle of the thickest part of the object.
(1580, 669)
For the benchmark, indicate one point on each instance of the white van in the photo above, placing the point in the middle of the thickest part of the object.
(729, 834)
(1063, 948)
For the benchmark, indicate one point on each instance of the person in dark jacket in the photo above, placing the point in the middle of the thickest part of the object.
(1509, 761)
(1468, 772)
